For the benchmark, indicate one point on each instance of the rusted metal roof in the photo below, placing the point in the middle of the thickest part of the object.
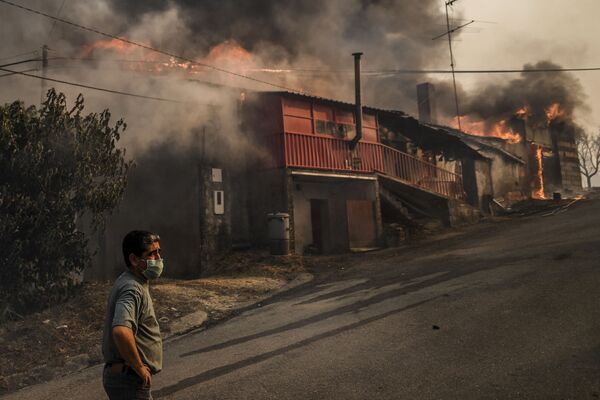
(430, 136)
(482, 141)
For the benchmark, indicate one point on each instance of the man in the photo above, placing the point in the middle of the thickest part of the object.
(131, 345)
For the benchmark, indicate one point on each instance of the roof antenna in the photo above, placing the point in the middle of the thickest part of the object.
(449, 32)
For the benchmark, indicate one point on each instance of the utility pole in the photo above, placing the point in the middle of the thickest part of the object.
(449, 33)
(44, 68)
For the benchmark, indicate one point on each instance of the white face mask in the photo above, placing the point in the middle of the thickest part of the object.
(153, 268)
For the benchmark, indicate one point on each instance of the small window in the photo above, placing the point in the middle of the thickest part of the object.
(325, 127)
(345, 131)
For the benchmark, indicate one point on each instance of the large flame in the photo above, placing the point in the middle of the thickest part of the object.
(115, 45)
(230, 54)
(553, 113)
(539, 194)
(227, 55)
(499, 130)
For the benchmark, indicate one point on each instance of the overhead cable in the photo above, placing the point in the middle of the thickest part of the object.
(375, 72)
(108, 35)
(479, 71)
(20, 62)
(18, 55)
(16, 72)
(81, 85)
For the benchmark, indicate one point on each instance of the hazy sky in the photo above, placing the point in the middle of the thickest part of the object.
(515, 32)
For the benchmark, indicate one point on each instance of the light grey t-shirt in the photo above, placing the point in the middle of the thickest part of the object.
(130, 304)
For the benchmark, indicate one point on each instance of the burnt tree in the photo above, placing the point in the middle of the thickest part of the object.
(588, 149)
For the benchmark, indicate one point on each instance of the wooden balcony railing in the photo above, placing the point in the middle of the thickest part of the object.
(333, 154)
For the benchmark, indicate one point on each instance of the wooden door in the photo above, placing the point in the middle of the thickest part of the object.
(361, 224)
(318, 209)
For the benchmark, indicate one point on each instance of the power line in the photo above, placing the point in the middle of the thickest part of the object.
(92, 87)
(20, 62)
(374, 72)
(57, 14)
(18, 55)
(148, 47)
(14, 73)
(481, 71)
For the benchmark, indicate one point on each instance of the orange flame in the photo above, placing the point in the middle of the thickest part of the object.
(115, 45)
(480, 128)
(539, 194)
(523, 112)
(554, 112)
(229, 55)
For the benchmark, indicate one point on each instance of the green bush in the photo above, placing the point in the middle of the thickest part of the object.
(56, 166)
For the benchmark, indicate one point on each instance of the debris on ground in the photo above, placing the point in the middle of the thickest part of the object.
(538, 206)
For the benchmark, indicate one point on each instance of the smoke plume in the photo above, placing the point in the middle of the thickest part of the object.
(536, 94)
(296, 44)
(278, 35)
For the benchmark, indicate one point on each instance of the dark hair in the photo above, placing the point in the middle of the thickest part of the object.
(137, 242)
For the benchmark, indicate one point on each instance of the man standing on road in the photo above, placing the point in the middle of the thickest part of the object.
(131, 345)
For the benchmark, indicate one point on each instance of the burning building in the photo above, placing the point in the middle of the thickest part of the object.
(302, 157)
(531, 150)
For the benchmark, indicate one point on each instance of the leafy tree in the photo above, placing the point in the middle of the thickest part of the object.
(588, 148)
(57, 166)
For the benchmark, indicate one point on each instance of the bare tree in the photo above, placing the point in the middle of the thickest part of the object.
(588, 149)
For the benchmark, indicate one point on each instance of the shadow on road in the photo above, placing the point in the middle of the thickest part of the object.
(216, 372)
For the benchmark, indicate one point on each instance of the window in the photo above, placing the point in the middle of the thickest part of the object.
(346, 127)
(324, 123)
(325, 127)
(346, 131)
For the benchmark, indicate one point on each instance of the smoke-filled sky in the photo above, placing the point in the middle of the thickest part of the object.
(258, 35)
(308, 35)
(514, 33)
(523, 32)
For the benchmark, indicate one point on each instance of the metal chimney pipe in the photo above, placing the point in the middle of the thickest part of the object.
(359, 115)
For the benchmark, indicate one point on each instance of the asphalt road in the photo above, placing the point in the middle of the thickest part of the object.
(502, 311)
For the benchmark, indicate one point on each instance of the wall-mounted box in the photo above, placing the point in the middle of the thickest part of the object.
(217, 175)
(219, 202)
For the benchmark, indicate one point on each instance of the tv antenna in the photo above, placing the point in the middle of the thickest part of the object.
(449, 32)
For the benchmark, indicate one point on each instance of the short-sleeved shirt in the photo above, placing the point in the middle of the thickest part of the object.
(130, 304)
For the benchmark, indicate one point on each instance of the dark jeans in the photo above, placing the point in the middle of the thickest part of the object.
(124, 385)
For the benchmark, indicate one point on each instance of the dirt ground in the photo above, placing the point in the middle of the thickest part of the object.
(67, 337)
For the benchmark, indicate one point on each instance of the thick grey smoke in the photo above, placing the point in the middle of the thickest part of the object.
(289, 34)
(537, 92)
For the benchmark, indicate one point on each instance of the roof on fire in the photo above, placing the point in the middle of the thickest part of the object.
(428, 136)
(481, 141)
